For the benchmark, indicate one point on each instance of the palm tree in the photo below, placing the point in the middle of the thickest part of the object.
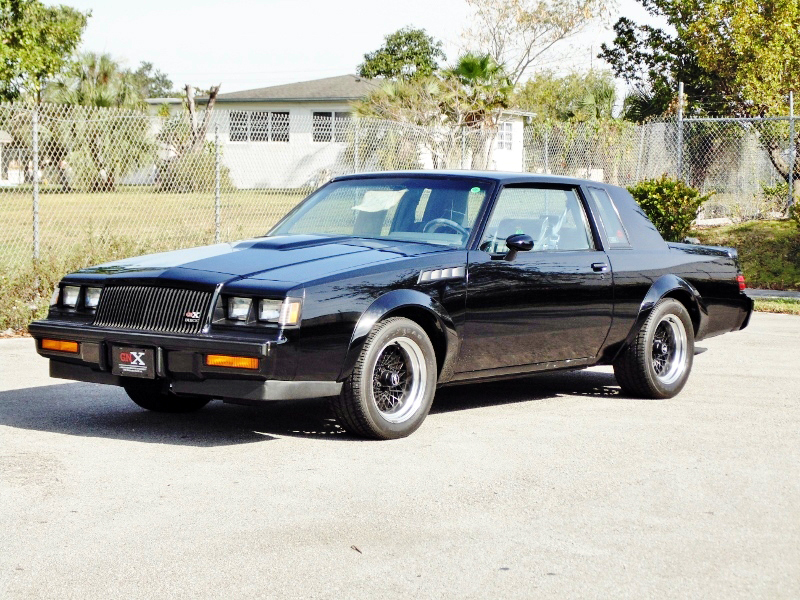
(95, 80)
(485, 88)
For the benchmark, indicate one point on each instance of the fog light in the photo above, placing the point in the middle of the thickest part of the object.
(234, 362)
(239, 308)
(60, 346)
(70, 295)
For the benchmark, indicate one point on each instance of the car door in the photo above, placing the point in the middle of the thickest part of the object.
(553, 303)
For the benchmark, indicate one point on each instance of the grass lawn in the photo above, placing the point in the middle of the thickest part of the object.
(788, 306)
(769, 251)
(81, 229)
(69, 222)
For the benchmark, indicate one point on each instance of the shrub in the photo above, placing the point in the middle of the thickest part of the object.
(671, 205)
(191, 172)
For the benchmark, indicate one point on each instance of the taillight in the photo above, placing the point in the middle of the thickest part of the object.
(742, 284)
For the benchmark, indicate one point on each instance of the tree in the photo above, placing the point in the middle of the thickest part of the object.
(95, 80)
(734, 57)
(38, 41)
(152, 82)
(407, 52)
(516, 33)
(574, 97)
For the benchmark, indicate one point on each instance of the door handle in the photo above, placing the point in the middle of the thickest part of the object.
(600, 267)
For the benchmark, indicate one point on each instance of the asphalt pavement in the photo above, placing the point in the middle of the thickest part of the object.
(555, 486)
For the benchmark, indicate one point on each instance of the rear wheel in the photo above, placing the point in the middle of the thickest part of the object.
(151, 396)
(391, 389)
(658, 362)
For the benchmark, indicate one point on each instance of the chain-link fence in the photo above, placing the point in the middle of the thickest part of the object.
(97, 183)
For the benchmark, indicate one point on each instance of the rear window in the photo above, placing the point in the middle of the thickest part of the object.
(615, 230)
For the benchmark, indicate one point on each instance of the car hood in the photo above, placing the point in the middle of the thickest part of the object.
(292, 259)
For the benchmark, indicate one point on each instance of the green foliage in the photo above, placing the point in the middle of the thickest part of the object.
(574, 97)
(784, 306)
(95, 80)
(152, 82)
(769, 251)
(671, 205)
(38, 41)
(407, 52)
(192, 172)
(734, 56)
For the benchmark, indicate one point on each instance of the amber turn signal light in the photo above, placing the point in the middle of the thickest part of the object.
(234, 362)
(60, 346)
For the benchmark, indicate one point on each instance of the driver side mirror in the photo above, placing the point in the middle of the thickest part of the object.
(519, 242)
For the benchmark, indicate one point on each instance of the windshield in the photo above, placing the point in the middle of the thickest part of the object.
(434, 211)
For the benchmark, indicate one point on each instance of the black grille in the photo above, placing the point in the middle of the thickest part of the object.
(152, 308)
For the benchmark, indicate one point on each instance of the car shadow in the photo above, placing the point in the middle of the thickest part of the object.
(89, 410)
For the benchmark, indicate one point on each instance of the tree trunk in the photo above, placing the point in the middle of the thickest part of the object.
(199, 130)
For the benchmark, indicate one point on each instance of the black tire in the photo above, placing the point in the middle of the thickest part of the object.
(391, 389)
(658, 362)
(150, 395)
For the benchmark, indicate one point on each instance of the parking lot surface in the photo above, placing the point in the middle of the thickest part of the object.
(553, 486)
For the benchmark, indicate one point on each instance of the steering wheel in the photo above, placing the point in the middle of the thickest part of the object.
(435, 224)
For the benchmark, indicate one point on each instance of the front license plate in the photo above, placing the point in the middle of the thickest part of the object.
(133, 362)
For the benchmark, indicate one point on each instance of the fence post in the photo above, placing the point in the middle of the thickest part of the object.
(217, 204)
(356, 158)
(35, 148)
(680, 131)
(546, 150)
(463, 147)
(792, 149)
(641, 151)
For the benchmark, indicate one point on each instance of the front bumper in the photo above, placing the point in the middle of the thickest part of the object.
(180, 364)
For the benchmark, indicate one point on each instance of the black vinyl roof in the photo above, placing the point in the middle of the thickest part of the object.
(499, 176)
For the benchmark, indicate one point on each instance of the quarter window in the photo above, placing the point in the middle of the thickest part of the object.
(615, 230)
(553, 217)
(259, 126)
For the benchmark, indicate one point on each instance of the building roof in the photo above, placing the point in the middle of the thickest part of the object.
(343, 88)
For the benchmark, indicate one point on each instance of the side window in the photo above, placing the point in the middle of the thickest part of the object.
(553, 217)
(615, 230)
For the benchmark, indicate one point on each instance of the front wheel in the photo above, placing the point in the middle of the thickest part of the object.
(151, 396)
(391, 389)
(658, 362)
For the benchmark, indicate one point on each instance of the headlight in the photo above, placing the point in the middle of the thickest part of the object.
(269, 310)
(70, 296)
(92, 297)
(239, 308)
(54, 296)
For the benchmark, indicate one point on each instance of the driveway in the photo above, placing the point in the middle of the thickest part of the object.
(554, 486)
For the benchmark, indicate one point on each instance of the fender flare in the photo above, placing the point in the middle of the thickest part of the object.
(397, 301)
(667, 286)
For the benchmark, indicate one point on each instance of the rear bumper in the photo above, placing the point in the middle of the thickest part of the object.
(180, 362)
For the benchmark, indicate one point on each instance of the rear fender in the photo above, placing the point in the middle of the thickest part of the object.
(407, 303)
(670, 286)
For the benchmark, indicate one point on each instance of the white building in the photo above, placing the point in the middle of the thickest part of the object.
(291, 135)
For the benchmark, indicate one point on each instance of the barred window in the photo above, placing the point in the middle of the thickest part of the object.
(259, 126)
(504, 136)
(238, 126)
(330, 126)
(280, 127)
(341, 123)
(322, 127)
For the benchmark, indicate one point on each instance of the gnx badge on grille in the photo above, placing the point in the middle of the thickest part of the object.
(191, 316)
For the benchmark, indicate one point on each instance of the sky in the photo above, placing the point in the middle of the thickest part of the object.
(245, 44)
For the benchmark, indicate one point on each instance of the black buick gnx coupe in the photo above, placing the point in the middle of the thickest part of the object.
(379, 288)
